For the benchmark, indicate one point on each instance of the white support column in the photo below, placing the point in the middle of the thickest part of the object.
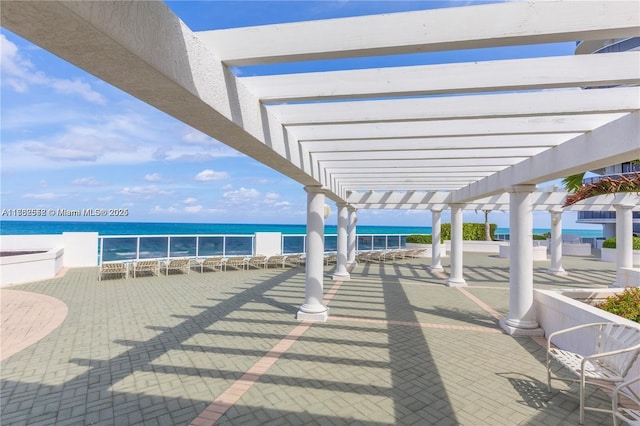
(312, 309)
(341, 273)
(352, 238)
(624, 241)
(521, 320)
(455, 278)
(436, 254)
(555, 245)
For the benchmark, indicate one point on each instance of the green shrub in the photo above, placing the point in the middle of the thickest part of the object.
(539, 237)
(611, 243)
(625, 304)
(470, 231)
(419, 239)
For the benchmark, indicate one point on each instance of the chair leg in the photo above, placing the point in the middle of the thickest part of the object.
(582, 391)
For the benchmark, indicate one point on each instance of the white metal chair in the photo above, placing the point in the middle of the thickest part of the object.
(616, 348)
(626, 403)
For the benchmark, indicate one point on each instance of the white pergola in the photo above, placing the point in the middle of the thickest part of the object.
(477, 135)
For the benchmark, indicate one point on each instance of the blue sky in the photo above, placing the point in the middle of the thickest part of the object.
(71, 141)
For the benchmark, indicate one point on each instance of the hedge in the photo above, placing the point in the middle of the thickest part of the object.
(419, 239)
(611, 243)
(470, 231)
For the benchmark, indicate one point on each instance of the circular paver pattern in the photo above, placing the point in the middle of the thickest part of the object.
(26, 318)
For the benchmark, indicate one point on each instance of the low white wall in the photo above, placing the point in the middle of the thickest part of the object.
(539, 252)
(71, 250)
(80, 249)
(479, 246)
(268, 243)
(555, 310)
(30, 267)
(29, 242)
(627, 277)
(571, 249)
(609, 255)
(426, 249)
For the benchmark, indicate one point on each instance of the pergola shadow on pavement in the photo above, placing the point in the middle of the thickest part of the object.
(396, 350)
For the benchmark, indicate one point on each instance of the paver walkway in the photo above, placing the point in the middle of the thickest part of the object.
(399, 348)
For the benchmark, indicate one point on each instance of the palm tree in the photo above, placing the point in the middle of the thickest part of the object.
(487, 225)
(574, 182)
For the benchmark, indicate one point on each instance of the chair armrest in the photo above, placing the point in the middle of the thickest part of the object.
(610, 353)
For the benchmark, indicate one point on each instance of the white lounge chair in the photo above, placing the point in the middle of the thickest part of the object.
(216, 263)
(236, 262)
(152, 266)
(277, 261)
(181, 265)
(616, 347)
(257, 261)
(113, 268)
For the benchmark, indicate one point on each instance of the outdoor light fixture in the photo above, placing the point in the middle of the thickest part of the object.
(327, 210)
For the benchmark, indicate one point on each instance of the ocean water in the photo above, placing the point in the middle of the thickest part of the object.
(24, 227)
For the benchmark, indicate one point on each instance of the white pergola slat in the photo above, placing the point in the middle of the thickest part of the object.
(537, 104)
(491, 124)
(471, 77)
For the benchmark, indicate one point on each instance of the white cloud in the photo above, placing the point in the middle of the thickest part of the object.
(20, 74)
(162, 210)
(272, 196)
(152, 177)
(190, 200)
(193, 209)
(85, 181)
(148, 190)
(44, 196)
(210, 175)
(241, 195)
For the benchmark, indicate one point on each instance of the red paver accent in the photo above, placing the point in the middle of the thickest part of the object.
(418, 324)
(27, 318)
(233, 393)
(497, 315)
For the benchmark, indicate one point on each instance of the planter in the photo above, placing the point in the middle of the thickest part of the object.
(30, 267)
(479, 246)
(425, 249)
(572, 249)
(609, 255)
(539, 252)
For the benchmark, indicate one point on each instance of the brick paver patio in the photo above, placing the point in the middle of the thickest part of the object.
(399, 348)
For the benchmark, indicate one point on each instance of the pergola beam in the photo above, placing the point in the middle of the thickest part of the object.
(426, 31)
(613, 143)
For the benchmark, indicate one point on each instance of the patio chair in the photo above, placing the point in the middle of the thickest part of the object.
(257, 261)
(236, 262)
(332, 258)
(616, 348)
(119, 268)
(626, 403)
(216, 263)
(180, 265)
(277, 261)
(293, 260)
(152, 266)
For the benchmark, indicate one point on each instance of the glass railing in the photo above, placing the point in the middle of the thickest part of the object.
(137, 247)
